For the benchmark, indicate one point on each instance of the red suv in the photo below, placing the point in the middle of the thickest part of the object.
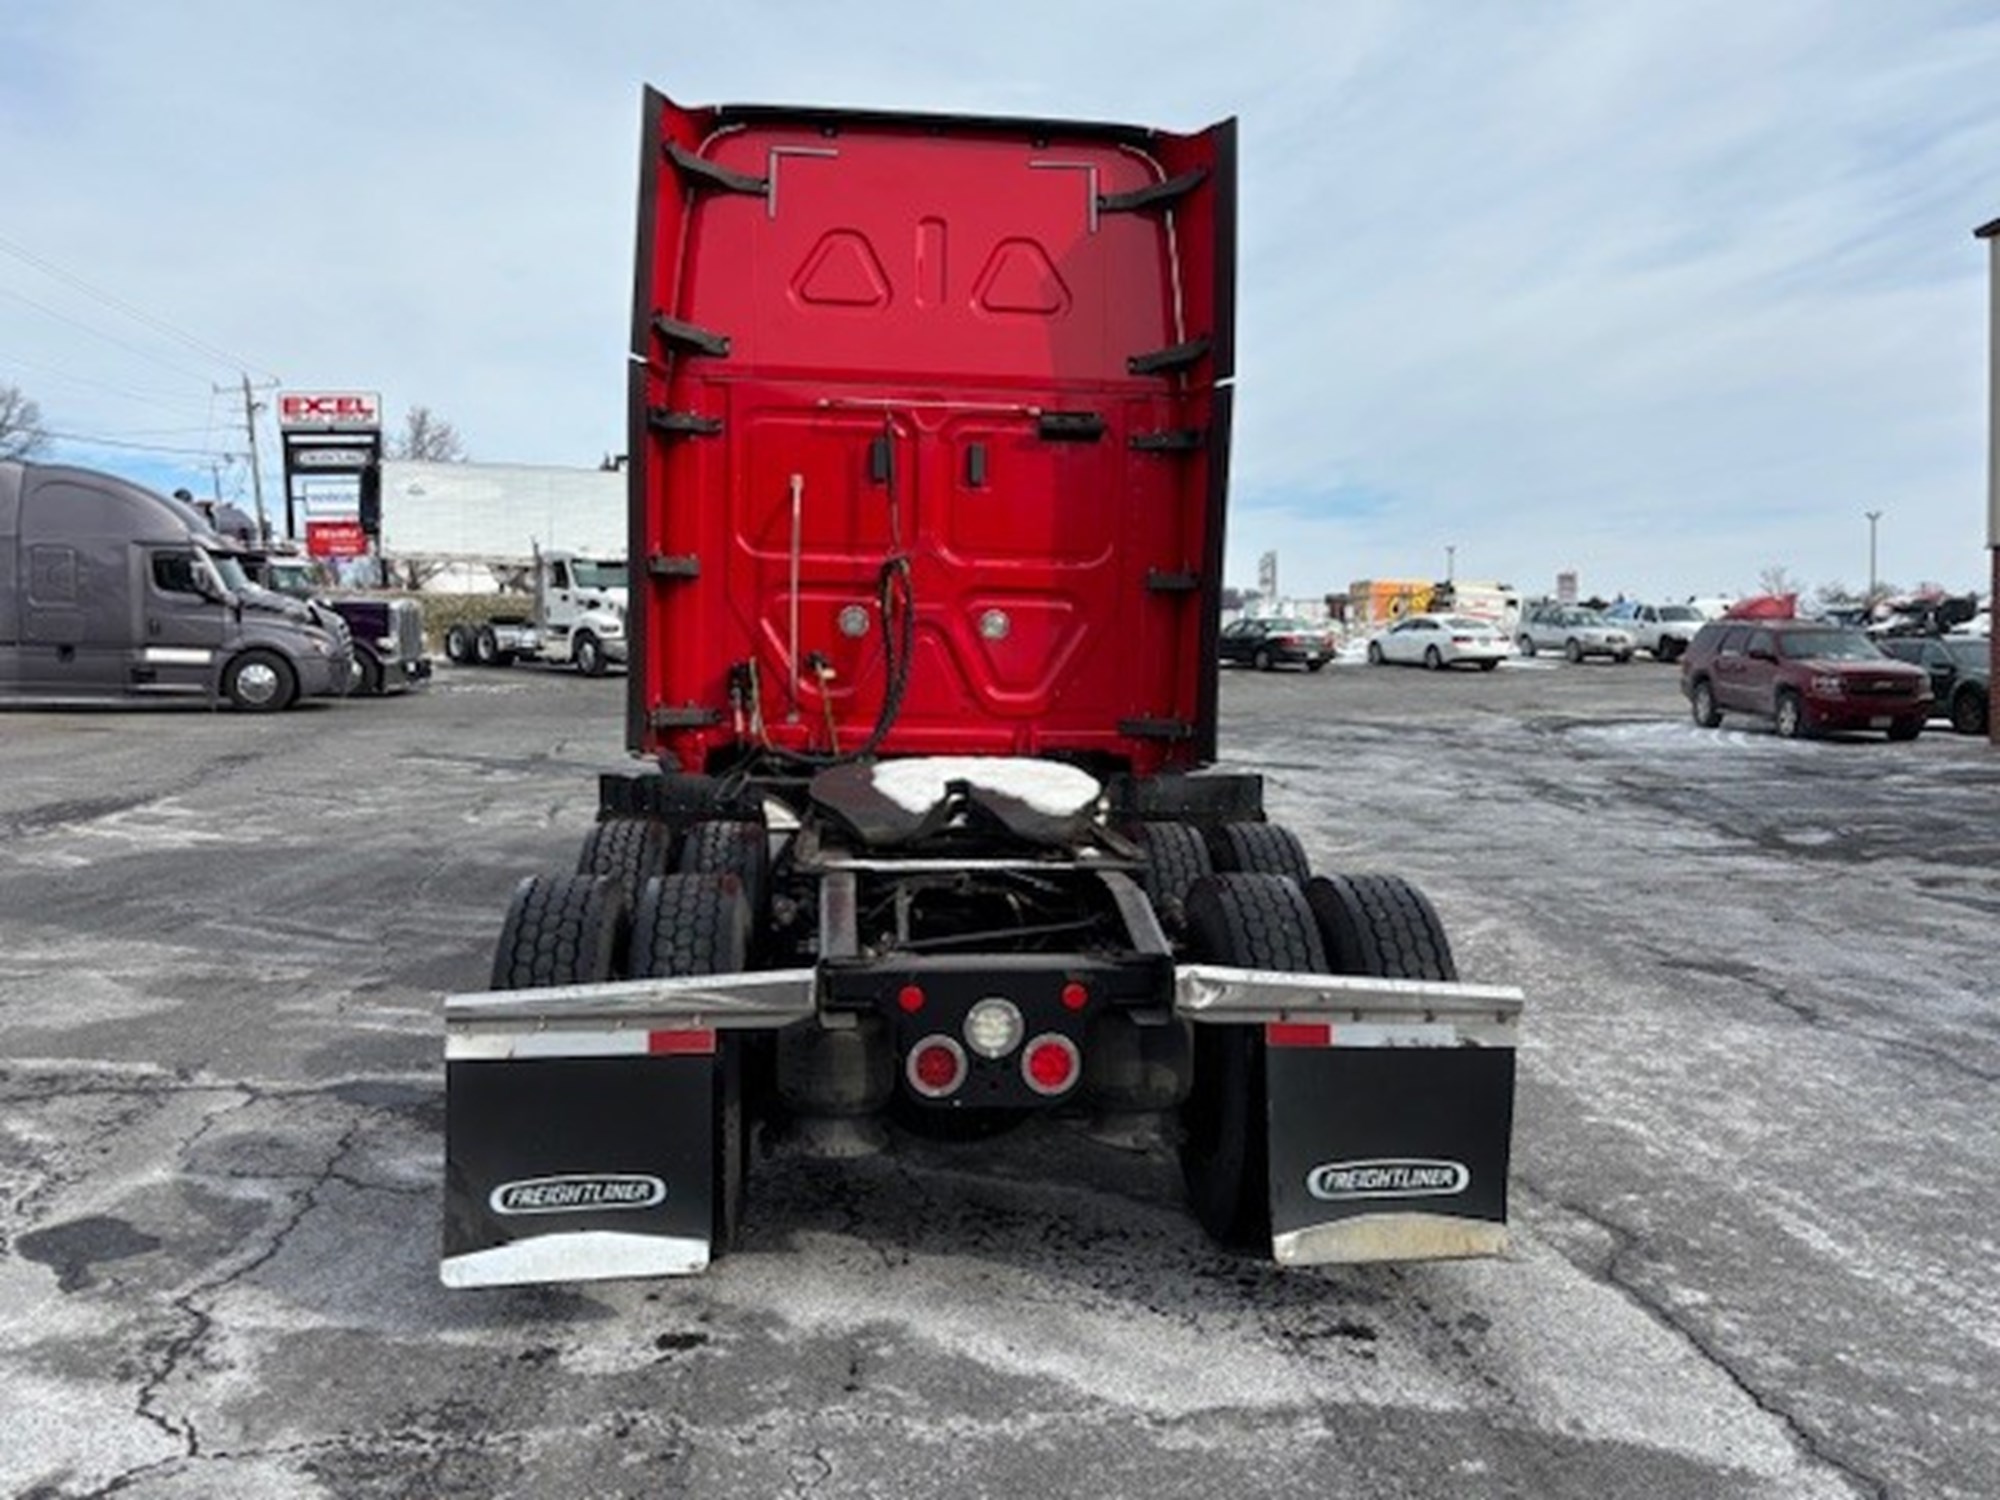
(1804, 676)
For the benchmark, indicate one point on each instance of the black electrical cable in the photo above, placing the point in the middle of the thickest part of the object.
(896, 598)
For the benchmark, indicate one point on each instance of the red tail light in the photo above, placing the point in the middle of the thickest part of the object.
(936, 1067)
(1050, 1064)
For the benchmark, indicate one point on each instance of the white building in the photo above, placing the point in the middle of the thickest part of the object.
(468, 525)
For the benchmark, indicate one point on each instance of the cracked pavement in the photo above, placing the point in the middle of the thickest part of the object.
(1753, 1194)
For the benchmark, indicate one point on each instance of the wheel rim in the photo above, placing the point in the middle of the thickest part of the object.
(1788, 718)
(1704, 704)
(1432, 659)
(257, 682)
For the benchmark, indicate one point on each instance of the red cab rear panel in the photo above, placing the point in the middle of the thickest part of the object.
(955, 383)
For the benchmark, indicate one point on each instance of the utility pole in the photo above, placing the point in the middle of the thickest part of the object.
(1873, 516)
(251, 406)
(1451, 564)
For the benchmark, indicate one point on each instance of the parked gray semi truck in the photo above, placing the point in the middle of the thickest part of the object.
(110, 592)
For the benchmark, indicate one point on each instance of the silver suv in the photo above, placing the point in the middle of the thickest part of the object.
(1574, 631)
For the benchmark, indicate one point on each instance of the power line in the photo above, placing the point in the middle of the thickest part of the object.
(144, 353)
(150, 398)
(105, 442)
(159, 325)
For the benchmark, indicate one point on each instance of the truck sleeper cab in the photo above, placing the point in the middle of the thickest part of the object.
(109, 591)
(929, 437)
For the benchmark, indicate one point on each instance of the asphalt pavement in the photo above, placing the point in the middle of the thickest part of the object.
(1754, 1196)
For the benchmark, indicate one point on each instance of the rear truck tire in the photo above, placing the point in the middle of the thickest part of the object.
(1969, 710)
(1176, 857)
(1701, 703)
(1259, 849)
(1790, 718)
(1263, 661)
(365, 678)
(458, 644)
(1527, 645)
(1906, 729)
(560, 929)
(1432, 660)
(588, 653)
(731, 848)
(486, 647)
(1572, 652)
(1374, 653)
(687, 925)
(1380, 926)
(1256, 922)
(690, 924)
(630, 850)
(260, 682)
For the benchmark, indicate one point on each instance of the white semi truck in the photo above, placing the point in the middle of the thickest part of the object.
(577, 615)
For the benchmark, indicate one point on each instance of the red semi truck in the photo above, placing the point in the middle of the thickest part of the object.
(930, 426)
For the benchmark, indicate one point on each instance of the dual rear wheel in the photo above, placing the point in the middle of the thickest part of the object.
(1380, 926)
(627, 914)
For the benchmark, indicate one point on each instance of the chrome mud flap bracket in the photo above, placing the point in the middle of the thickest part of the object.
(1389, 1109)
(581, 1124)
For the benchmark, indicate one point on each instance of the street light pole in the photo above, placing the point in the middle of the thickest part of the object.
(1873, 516)
(1450, 564)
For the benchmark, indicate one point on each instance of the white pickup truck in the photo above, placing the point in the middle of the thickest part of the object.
(1663, 631)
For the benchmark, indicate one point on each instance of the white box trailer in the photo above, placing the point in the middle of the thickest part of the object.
(470, 528)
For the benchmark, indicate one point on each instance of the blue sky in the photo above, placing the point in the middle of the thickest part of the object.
(1666, 293)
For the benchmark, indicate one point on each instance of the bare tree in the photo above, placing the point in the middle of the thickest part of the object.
(427, 436)
(1775, 579)
(21, 431)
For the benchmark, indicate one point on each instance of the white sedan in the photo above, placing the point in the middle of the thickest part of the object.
(1438, 641)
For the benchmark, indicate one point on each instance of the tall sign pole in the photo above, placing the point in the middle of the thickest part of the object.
(257, 469)
(251, 406)
(333, 452)
(1991, 234)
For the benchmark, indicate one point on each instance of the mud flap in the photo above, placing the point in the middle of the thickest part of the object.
(567, 1160)
(1385, 1145)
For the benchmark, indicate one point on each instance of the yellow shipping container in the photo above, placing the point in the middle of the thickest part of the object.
(1379, 601)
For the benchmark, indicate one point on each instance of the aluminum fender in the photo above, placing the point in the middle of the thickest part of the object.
(1479, 1014)
(1387, 1107)
(761, 1001)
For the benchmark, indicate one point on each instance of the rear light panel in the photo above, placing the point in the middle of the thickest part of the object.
(1051, 1064)
(936, 1067)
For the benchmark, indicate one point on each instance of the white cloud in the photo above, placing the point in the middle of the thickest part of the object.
(1665, 292)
